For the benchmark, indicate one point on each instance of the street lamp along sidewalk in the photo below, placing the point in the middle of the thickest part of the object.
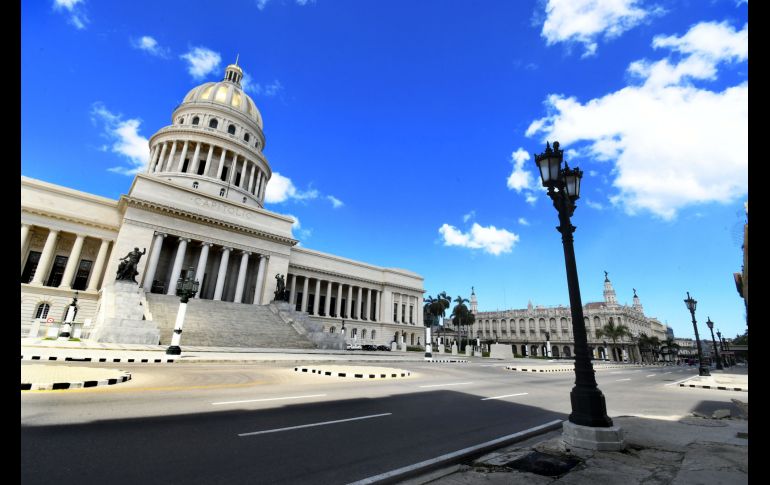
(691, 304)
(588, 425)
(186, 288)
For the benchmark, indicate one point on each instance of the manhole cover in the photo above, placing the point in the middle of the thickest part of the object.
(543, 464)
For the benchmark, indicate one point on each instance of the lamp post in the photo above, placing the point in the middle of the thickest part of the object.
(186, 288)
(722, 348)
(714, 343)
(691, 304)
(66, 327)
(589, 409)
(547, 344)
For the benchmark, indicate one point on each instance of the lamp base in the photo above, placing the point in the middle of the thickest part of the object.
(703, 371)
(599, 439)
(174, 350)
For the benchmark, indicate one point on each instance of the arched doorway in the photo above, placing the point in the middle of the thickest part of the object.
(524, 350)
(533, 349)
(567, 352)
(555, 351)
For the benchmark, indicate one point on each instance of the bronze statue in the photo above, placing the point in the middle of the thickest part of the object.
(127, 268)
(606, 278)
(281, 293)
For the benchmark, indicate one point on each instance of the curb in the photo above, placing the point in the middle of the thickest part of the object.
(74, 385)
(45, 358)
(380, 375)
(459, 361)
(721, 388)
(570, 369)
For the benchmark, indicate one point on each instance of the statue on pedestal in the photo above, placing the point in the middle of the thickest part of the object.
(127, 268)
(281, 293)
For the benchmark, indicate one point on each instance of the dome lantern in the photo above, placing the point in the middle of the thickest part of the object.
(234, 73)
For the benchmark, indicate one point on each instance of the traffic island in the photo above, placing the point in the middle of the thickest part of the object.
(350, 372)
(59, 377)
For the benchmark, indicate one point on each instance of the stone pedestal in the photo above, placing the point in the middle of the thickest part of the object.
(393, 346)
(440, 348)
(402, 346)
(468, 351)
(120, 317)
(454, 349)
(599, 439)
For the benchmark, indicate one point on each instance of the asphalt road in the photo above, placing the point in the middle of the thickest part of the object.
(211, 424)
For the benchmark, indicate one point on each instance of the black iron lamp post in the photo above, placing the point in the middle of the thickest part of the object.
(691, 304)
(186, 288)
(563, 184)
(725, 357)
(716, 350)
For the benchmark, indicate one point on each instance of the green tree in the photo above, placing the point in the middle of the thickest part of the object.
(435, 308)
(613, 332)
(460, 315)
(671, 347)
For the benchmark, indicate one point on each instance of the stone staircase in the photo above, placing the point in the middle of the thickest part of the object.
(211, 323)
(302, 323)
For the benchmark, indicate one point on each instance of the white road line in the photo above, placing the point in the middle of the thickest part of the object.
(507, 395)
(677, 382)
(616, 372)
(667, 372)
(314, 424)
(452, 384)
(651, 375)
(270, 399)
(618, 380)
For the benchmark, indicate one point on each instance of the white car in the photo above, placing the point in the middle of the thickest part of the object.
(353, 347)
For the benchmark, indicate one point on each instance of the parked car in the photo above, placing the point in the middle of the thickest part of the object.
(383, 347)
(353, 347)
(369, 347)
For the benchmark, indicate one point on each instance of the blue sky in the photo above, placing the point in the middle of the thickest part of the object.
(401, 133)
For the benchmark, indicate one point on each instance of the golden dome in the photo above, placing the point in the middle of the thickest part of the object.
(227, 92)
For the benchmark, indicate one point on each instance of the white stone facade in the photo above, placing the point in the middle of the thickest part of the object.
(199, 206)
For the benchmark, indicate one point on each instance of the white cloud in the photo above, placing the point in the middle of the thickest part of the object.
(594, 205)
(75, 8)
(584, 21)
(683, 145)
(520, 179)
(262, 3)
(470, 215)
(593, 173)
(150, 45)
(490, 239)
(336, 203)
(268, 90)
(126, 139)
(523, 221)
(280, 189)
(201, 61)
(296, 228)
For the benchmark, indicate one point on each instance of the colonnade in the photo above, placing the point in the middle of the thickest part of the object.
(367, 306)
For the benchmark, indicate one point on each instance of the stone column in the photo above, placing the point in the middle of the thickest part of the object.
(152, 264)
(251, 178)
(358, 303)
(260, 280)
(45, 259)
(241, 276)
(305, 286)
(263, 184)
(328, 301)
(72, 262)
(235, 168)
(418, 311)
(181, 157)
(369, 304)
(293, 292)
(159, 163)
(317, 296)
(349, 303)
(338, 303)
(222, 272)
(208, 159)
(153, 158)
(221, 166)
(96, 275)
(170, 161)
(194, 165)
(200, 271)
(378, 308)
(25, 232)
(256, 184)
(176, 270)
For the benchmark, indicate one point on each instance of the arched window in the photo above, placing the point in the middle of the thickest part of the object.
(195, 185)
(231, 129)
(244, 200)
(213, 123)
(332, 330)
(195, 120)
(353, 333)
(374, 334)
(180, 121)
(42, 310)
(363, 334)
(246, 137)
(222, 192)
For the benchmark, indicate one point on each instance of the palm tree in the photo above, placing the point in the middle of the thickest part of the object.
(614, 332)
(435, 307)
(459, 313)
(649, 344)
(671, 347)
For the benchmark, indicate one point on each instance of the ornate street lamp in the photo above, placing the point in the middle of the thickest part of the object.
(547, 344)
(186, 288)
(69, 318)
(725, 357)
(691, 304)
(716, 350)
(589, 410)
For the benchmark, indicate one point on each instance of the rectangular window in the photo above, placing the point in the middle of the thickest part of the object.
(81, 278)
(201, 167)
(185, 164)
(298, 302)
(411, 310)
(395, 312)
(30, 266)
(237, 179)
(403, 312)
(333, 307)
(353, 309)
(223, 178)
(344, 308)
(310, 300)
(57, 271)
(322, 306)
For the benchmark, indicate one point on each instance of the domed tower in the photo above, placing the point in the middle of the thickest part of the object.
(474, 302)
(609, 292)
(214, 143)
(637, 304)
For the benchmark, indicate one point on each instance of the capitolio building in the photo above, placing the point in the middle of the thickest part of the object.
(198, 210)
